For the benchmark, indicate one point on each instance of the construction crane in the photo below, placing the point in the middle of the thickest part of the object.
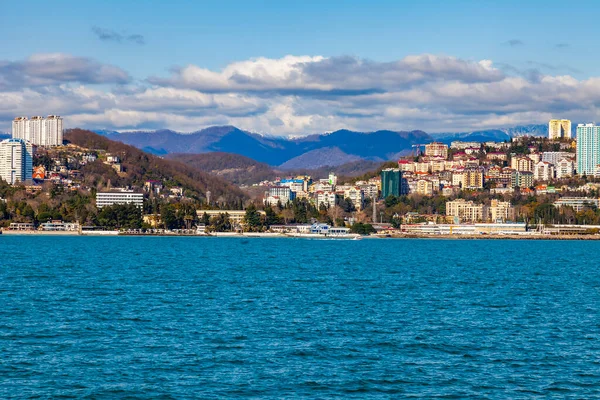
(418, 147)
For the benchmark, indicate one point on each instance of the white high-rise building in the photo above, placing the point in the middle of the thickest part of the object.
(38, 130)
(588, 148)
(20, 128)
(16, 160)
(53, 131)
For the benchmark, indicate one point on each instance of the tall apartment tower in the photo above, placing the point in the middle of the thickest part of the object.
(20, 128)
(53, 129)
(38, 130)
(391, 182)
(16, 160)
(588, 148)
(559, 128)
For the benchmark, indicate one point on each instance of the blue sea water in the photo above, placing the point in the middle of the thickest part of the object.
(163, 317)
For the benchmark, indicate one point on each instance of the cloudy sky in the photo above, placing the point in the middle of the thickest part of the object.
(294, 69)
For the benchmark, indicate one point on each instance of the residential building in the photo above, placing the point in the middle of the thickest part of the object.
(391, 182)
(522, 179)
(578, 203)
(521, 163)
(436, 149)
(279, 194)
(559, 129)
(543, 171)
(424, 187)
(119, 196)
(370, 191)
(496, 155)
(553, 157)
(406, 166)
(472, 178)
(38, 130)
(463, 145)
(466, 211)
(16, 160)
(588, 148)
(356, 196)
(236, 217)
(565, 168)
(501, 211)
(325, 198)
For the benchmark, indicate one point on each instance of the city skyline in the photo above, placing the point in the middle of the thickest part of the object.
(304, 69)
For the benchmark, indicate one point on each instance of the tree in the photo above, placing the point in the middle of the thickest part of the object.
(168, 217)
(362, 229)
(252, 219)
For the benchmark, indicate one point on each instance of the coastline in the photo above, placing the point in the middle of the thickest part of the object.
(267, 235)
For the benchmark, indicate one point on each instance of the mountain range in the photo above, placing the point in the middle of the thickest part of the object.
(310, 152)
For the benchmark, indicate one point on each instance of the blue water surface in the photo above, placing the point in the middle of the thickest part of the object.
(155, 317)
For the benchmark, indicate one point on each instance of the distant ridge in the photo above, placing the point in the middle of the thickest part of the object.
(349, 145)
(313, 151)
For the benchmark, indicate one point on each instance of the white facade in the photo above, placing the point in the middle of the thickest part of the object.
(543, 171)
(38, 130)
(16, 160)
(119, 197)
(325, 198)
(565, 168)
(553, 157)
(356, 196)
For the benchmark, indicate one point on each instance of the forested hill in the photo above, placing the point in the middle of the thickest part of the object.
(140, 167)
(243, 170)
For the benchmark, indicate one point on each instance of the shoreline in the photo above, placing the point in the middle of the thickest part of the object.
(267, 235)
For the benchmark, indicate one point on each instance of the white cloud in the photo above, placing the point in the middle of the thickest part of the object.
(295, 95)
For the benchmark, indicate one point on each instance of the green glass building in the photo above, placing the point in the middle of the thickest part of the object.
(391, 182)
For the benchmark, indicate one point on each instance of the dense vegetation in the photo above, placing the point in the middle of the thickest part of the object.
(242, 170)
(140, 167)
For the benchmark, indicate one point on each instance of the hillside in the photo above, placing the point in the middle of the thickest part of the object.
(233, 168)
(140, 167)
(243, 170)
(376, 146)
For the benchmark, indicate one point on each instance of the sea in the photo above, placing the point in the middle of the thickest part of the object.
(228, 318)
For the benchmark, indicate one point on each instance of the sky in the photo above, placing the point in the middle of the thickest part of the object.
(296, 68)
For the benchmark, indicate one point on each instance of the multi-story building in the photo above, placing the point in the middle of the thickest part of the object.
(472, 178)
(559, 128)
(424, 187)
(553, 157)
(236, 217)
(578, 203)
(391, 182)
(356, 196)
(279, 194)
(543, 171)
(406, 165)
(588, 148)
(436, 149)
(466, 211)
(369, 190)
(38, 130)
(501, 211)
(326, 199)
(565, 168)
(119, 196)
(521, 163)
(16, 160)
(522, 179)
(463, 145)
